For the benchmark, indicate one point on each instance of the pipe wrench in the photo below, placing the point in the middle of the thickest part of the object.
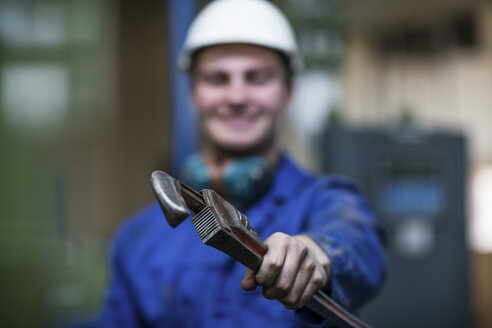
(220, 225)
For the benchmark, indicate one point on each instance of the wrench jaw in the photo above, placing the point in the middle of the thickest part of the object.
(223, 227)
(168, 194)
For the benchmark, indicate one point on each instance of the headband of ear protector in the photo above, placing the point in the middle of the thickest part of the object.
(241, 182)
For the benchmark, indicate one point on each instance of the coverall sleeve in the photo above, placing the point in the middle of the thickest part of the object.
(119, 309)
(345, 228)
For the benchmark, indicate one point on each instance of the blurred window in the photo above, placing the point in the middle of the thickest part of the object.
(55, 67)
(35, 95)
(481, 218)
(453, 32)
(26, 25)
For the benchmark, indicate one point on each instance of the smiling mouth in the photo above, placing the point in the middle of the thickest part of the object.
(239, 121)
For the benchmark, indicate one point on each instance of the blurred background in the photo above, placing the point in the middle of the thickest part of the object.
(396, 94)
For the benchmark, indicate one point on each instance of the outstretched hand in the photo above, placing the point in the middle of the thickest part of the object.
(293, 269)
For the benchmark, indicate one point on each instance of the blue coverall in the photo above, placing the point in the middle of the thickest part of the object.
(164, 277)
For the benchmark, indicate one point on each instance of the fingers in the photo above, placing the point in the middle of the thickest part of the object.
(273, 261)
(294, 253)
(293, 269)
(309, 280)
(249, 281)
(303, 278)
(290, 271)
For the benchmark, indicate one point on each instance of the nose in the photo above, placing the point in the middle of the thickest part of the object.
(236, 94)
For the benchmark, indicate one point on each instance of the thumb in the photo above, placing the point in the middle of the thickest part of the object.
(249, 281)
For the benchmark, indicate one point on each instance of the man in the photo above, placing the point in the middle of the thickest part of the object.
(320, 234)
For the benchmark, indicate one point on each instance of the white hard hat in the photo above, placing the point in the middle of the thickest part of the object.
(256, 22)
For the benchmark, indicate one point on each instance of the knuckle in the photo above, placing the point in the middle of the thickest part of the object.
(308, 266)
(278, 240)
(299, 248)
(303, 301)
(275, 263)
(303, 250)
(260, 280)
(290, 302)
(263, 280)
(277, 236)
(282, 286)
(267, 293)
(317, 279)
(268, 278)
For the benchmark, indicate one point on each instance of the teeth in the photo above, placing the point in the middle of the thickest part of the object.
(205, 222)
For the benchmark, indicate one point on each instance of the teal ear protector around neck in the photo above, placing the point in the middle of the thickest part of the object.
(241, 182)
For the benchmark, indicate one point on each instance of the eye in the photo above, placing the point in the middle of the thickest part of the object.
(215, 78)
(259, 76)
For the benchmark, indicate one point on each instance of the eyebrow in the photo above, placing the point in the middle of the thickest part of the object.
(267, 68)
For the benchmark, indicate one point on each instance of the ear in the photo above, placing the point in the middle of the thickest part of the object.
(289, 91)
(192, 93)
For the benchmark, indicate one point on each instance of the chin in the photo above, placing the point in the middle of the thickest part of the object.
(238, 146)
(252, 141)
(243, 147)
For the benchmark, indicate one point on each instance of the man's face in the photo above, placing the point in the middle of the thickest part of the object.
(240, 92)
